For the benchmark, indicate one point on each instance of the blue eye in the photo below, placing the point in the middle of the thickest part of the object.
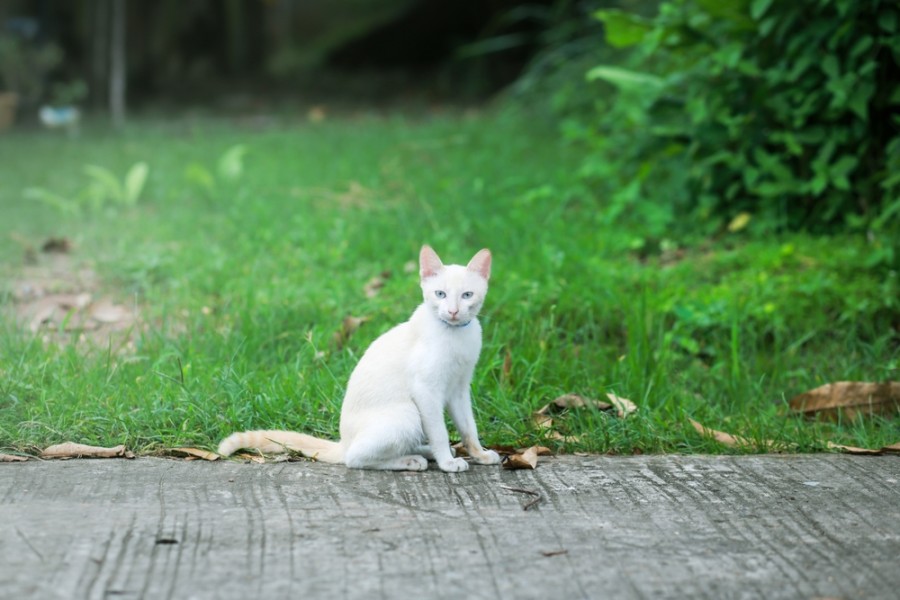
(467, 295)
(440, 293)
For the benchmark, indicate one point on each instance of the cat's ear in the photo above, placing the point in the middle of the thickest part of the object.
(429, 262)
(481, 263)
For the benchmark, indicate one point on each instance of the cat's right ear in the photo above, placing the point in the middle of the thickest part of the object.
(429, 262)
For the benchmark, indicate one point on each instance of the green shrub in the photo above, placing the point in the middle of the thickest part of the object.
(783, 111)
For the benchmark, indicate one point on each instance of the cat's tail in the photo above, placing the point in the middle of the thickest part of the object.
(276, 442)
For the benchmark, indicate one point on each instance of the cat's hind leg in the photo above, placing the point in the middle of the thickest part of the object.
(386, 447)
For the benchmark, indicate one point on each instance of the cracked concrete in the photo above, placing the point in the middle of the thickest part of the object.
(824, 526)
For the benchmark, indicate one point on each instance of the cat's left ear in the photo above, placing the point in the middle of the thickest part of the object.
(481, 263)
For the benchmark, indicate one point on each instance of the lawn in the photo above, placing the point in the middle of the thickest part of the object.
(252, 241)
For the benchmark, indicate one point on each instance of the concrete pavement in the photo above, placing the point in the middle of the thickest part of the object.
(824, 526)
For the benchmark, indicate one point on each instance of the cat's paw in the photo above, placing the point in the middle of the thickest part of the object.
(488, 457)
(414, 463)
(454, 465)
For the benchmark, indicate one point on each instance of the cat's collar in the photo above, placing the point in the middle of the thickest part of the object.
(451, 326)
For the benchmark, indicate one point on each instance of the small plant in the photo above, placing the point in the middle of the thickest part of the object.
(229, 168)
(103, 189)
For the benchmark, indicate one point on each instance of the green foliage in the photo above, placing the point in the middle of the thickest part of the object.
(240, 294)
(229, 169)
(102, 190)
(784, 110)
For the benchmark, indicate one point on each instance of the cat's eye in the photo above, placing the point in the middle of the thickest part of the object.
(440, 293)
(467, 295)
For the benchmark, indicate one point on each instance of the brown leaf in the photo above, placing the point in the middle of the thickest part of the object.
(720, 436)
(623, 406)
(73, 450)
(734, 441)
(12, 458)
(105, 311)
(196, 453)
(348, 327)
(257, 458)
(525, 460)
(853, 449)
(60, 245)
(892, 449)
(374, 285)
(851, 398)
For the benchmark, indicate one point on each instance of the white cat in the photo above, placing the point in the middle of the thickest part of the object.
(393, 412)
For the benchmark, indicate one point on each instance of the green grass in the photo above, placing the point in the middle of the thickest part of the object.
(243, 283)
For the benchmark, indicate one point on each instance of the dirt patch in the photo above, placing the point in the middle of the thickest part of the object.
(62, 300)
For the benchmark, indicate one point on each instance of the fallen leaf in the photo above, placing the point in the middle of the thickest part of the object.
(525, 460)
(257, 458)
(73, 450)
(854, 449)
(851, 398)
(316, 114)
(374, 285)
(543, 420)
(734, 441)
(105, 311)
(348, 327)
(59, 245)
(720, 436)
(892, 449)
(196, 453)
(623, 406)
(12, 458)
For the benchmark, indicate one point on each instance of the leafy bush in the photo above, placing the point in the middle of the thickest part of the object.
(783, 111)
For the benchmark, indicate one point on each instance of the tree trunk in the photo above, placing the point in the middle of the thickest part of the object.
(117, 66)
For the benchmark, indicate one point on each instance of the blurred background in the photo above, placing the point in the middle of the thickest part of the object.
(725, 110)
(106, 55)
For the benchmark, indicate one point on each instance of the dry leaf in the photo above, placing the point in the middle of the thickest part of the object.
(892, 449)
(257, 458)
(623, 406)
(851, 398)
(196, 453)
(525, 460)
(12, 458)
(733, 441)
(853, 449)
(73, 450)
(507, 366)
(374, 285)
(59, 245)
(720, 436)
(105, 311)
(348, 327)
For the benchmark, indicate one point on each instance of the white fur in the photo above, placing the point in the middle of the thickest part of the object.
(393, 412)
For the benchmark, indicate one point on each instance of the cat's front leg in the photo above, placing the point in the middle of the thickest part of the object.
(432, 414)
(464, 419)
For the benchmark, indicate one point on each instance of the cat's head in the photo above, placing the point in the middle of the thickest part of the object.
(454, 293)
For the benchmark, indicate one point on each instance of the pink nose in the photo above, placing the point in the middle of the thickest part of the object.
(453, 313)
